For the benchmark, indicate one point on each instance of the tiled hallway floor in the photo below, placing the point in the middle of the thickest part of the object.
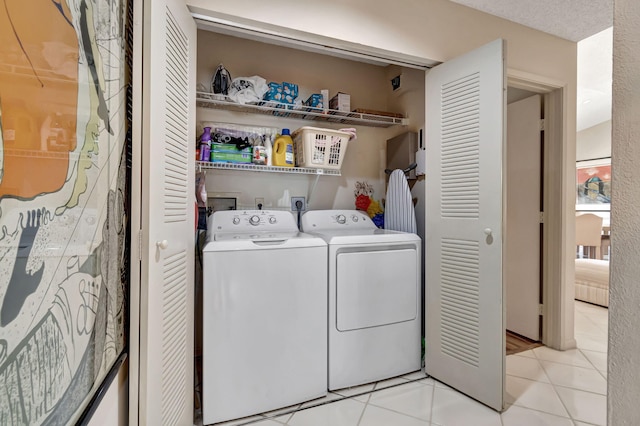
(544, 387)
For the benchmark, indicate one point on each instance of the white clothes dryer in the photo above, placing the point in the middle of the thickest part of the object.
(374, 297)
(264, 315)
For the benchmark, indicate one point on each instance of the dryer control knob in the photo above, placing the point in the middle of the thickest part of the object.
(236, 220)
(254, 220)
(341, 219)
(354, 218)
(272, 220)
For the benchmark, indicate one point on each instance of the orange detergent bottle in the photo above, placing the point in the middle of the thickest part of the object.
(283, 150)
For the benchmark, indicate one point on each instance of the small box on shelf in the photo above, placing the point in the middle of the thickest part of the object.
(315, 101)
(230, 157)
(341, 102)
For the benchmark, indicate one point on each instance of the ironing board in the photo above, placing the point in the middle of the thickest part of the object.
(399, 213)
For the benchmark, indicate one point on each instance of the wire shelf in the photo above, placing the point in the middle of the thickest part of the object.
(204, 165)
(210, 100)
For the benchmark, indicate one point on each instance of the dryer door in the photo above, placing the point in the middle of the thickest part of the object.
(376, 288)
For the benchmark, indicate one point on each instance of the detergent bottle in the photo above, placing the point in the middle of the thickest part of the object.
(205, 145)
(282, 152)
(268, 146)
(259, 151)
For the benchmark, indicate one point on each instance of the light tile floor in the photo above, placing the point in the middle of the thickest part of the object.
(544, 387)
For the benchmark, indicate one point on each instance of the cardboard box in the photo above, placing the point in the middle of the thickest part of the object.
(314, 100)
(230, 157)
(325, 99)
(341, 102)
(274, 93)
(289, 92)
(228, 153)
(228, 147)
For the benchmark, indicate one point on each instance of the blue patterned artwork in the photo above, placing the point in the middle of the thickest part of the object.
(64, 204)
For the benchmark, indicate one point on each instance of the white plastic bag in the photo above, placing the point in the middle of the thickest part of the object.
(201, 190)
(248, 89)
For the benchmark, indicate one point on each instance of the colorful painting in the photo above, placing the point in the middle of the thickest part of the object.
(593, 179)
(64, 204)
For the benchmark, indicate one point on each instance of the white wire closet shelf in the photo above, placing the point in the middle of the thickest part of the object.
(210, 100)
(204, 165)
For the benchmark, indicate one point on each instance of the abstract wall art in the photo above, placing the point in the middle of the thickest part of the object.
(64, 204)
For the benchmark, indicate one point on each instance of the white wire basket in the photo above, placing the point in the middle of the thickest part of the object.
(320, 148)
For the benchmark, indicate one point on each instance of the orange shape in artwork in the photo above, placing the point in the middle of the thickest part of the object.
(38, 96)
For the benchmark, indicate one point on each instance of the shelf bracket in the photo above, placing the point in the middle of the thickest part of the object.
(313, 186)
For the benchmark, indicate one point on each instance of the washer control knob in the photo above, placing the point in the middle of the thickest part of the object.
(341, 219)
(354, 218)
(236, 220)
(254, 220)
(272, 220)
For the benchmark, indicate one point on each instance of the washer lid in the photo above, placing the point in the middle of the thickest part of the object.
(262, 240)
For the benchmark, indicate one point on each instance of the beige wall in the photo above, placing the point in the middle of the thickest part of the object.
(624, 338)
(434, 29)
(594, 142)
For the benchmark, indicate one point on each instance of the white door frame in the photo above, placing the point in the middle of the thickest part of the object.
(136, 216)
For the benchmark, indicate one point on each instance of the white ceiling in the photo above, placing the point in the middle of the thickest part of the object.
(594, 79)
(587, 22)
(573, 20)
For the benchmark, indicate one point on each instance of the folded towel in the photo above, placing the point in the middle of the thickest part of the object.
(352, 133)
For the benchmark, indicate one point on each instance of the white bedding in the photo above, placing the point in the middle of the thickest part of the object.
(592, 281)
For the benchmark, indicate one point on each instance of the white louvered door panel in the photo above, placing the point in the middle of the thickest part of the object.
(168, 198)
(465, 333)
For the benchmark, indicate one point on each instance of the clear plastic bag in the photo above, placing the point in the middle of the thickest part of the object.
(245, 90)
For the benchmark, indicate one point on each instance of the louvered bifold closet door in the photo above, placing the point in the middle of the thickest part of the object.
(167, 311)
(463, 248)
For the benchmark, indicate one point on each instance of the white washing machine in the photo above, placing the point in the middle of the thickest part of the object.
(264, 315)
(374, 297)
